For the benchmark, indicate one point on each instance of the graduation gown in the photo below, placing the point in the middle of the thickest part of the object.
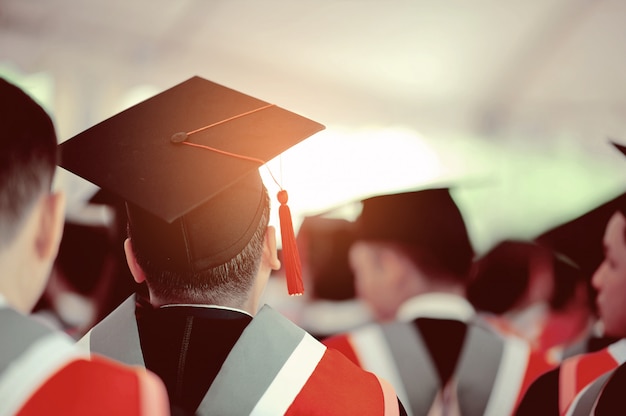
(610, 399)
(42, 372)
(221, 361)
(554, 392)
(436, 351)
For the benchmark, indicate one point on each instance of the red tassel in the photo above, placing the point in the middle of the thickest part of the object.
(291, 258)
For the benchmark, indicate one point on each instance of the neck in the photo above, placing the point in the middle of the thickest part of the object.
(20, 285)
(443, 284)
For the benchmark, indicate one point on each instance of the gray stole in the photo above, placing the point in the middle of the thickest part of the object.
(250, 368)
(19, 332)
(475, 375)
(584, 405)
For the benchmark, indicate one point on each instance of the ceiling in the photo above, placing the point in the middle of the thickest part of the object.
(520, 94)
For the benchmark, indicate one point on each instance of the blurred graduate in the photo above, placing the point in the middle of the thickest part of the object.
(186, 162)
(41, 370)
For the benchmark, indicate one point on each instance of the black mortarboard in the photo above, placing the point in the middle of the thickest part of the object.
(191, 206)
(428, 219)
(581, 238)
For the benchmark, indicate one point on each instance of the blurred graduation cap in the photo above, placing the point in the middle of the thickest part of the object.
(186, 163)
(581, 239)
(425, 218)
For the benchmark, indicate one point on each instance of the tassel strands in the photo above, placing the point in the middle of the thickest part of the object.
(291, 258)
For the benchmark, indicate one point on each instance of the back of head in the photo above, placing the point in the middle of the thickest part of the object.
(568, 276)
(226, 275)
(27, 156)
(501, 277)
(324, 244)
(427, 224)
(186, 163)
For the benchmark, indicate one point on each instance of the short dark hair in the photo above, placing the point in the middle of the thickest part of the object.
(225, 282)
(454, 268)
(28, 156)
(501, 277)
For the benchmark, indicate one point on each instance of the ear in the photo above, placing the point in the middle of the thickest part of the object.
(50, 230)
(131, 260)
(270, 252)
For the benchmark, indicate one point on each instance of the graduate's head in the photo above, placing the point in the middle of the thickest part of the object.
(407, 240)
(27, 157)
(186, 163)
(225, 278)
(31, 216)
(610, 278)
(535, 274)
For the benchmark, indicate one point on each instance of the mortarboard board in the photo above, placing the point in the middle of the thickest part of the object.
(581, 238)
(195, 207)
(428, 218)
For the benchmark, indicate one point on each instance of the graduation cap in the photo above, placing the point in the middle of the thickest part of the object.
(428, 219)
(186, 163)
(581, 238)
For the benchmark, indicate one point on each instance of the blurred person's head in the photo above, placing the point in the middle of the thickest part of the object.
(610, 278)
(515, 274)
(230, 282)
(527, 283)
(409, 244)
(323, 245)
(31, 216)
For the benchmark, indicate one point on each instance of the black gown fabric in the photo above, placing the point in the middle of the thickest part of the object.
(542, 397)
(444, 339)
(611, 400)
(186, 347)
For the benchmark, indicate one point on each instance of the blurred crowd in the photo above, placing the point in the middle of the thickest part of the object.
(528, 326)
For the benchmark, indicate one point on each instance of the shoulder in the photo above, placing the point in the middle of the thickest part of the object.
(83, 385)
(334, 380)
(612, 395)
(584, 368)
(352, 389)
(542, 397)
(24, 327)
(352, 343)
(45, 372)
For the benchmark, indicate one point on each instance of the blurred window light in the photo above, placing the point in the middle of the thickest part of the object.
(338, 166)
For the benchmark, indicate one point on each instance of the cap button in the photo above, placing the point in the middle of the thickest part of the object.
(179, 137)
